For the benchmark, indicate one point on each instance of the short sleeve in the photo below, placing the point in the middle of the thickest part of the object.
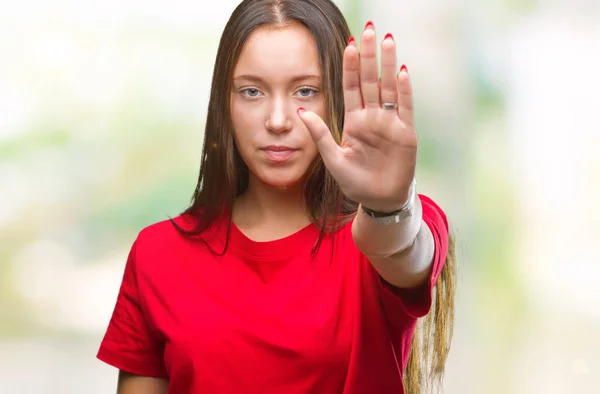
(128, 343)
(417, 302)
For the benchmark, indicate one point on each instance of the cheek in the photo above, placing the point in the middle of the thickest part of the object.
(244, 147)
(311, 150)
(245, 123)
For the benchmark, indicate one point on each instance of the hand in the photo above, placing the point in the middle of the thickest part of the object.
(376, 161)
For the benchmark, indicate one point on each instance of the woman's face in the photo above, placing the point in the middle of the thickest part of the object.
(277, 72)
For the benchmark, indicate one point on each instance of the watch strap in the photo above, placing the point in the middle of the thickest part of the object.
(386, 218)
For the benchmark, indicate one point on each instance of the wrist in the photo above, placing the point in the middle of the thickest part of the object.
(396, 212)
(385, 236)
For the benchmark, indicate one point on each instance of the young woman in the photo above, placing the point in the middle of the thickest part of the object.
(306, 257)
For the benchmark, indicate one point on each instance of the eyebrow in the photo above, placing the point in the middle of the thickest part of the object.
(256, 78)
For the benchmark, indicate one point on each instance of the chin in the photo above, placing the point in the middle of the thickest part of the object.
(283, 179)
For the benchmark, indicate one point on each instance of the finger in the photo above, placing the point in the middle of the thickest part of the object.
(369, 73)
(389, 83)
(329, 149)
(351, 77)
(405, 97)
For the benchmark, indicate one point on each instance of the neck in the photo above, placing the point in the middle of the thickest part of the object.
(267, 211)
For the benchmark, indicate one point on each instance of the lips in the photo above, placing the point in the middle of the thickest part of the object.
(277, 148)
(278, 153)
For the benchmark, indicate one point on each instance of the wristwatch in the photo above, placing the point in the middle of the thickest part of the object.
(386, 218)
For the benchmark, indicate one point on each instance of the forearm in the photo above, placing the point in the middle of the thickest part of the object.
(129, 383)
(402, 252)
(386, 240)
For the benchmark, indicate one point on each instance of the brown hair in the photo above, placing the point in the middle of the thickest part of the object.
(224, 175)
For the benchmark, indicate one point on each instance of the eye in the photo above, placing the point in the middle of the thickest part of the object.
(307, 91)
(250, 92)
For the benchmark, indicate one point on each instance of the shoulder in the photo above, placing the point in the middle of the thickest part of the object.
(159, 234)
(169, 231)
(433, 214)
(162, 230)
(158, 245)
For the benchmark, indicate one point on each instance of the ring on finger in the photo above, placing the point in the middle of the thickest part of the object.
(390, 105)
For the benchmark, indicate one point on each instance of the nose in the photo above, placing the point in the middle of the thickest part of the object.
(279, 118)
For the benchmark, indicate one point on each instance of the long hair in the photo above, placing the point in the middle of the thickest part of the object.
(430, 345)
(223, 174)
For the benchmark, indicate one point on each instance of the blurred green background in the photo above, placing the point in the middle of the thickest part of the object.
(102, 107)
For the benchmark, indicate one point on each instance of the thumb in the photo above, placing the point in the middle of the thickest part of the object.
(329, 149)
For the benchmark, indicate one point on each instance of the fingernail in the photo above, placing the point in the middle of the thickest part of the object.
(300, 110)
(403, 68)
(389, 35)
(369, 25)
(351, 41)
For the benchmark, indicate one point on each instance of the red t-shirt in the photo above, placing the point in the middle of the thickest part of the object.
(265, 317)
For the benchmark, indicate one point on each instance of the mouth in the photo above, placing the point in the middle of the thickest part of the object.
(278, 153)
(278, 148)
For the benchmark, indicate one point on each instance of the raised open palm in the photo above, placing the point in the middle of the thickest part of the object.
(375, 163)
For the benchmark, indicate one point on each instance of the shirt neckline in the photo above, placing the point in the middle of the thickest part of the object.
(277, 249)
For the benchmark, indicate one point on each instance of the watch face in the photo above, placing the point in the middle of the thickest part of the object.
(397, 218)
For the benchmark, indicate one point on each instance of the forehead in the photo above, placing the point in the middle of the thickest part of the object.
(279, 52)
